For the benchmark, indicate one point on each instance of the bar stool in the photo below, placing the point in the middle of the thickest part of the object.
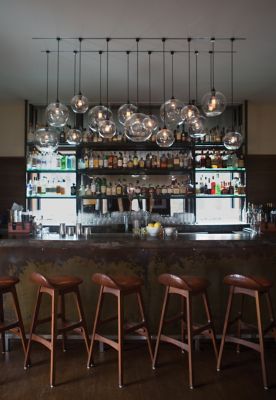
(120, 287)
(254, 287)
(186, 287)
(7, 285)
(56, 287)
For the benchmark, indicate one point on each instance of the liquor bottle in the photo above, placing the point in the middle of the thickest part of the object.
(113, 189)
(73, 190)
(105, 161)
(120, 160)
(135, 160)
(214, 160)
(115, 161)
(208, 161)
(93, 187)
(213, 185)
(241, 161)
(141, 163)
(101, 161)
(153, 161)
(29, 188)
(119, 189)
(148, 162)
(202, 160)
(110, 160)
(137, 188)
(98, 183)
(96, 161)
(130, 162)
(169, 161)
(176, 161)
(103, 186)
(109, 189)
(125, 160)
(177, 135)
(63, 162)
(163, 161)
(218, 186)
(86, 160)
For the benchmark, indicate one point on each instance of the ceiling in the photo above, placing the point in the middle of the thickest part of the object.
(23, 65)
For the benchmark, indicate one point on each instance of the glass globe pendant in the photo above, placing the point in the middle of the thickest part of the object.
(151, 123)
(125, 112)
(232, 140)
(165, 138)
(97, 115)
(135, 128)
(213, 103)
(74, 136)
(195, 127)
(79, 103)
(189, 111)
(107, 129)
(170, 112)
(46, 140)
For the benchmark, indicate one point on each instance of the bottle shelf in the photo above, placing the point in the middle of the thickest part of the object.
(220, 170)
(138, 196)
(124, 146)
(208, 145)
(220, 196)
(54, 171)
(136, 171)
(48, 196)
(61, 146)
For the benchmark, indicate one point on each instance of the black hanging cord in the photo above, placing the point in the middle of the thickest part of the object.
(232, 81)
(80, 40)
(196, 76)
(47, 77)
(107, 72)
(149, 53)
(172, 54)
(213, 63)
(58, 42)
(75, 70)
(100, 53)
(164, 81)
(137, 71)
(211, 70)
(189, 67)
(127, 53)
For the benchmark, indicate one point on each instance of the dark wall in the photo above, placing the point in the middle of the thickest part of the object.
(12, 178)
(261, 178)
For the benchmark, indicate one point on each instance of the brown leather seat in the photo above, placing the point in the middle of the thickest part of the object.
(190, 283)
(117, 282)
(248, 282)
(6, 281)
(57, 282)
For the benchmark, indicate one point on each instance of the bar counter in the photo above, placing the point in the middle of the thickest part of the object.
(208, 255)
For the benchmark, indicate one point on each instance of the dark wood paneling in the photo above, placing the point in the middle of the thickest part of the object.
(261, 178)
(12, 178)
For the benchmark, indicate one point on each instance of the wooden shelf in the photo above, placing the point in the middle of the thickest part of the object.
(54, 171)
(123, 146)
(213, 170)
(46, 196)
(137, 171)
(220, 196)
(125, 196)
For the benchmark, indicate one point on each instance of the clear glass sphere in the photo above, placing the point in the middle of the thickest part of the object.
(98, 114)
(151, 123)
(79, 104)
(188, 112)
(107, 129)
(57, 114)
(232, 140)
(135, 128)
(125, 112)
(74, 136)
(213, 103)
(170, 112)
(165, 138)
(46, 140)
(195, 127)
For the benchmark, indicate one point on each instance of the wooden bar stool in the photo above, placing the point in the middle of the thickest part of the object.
(254, 287)
(7, 285)
(186, 287)
(120, 287)
(56, 287)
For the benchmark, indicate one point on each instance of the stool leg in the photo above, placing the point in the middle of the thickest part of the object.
(95, 326)
(240, 315)
(227, 315)
(261, 338)
(82, 319)
(190, 339)
(54, 296)
(142, 312)
(271, 314)
(19, 318)
(63, 318)
(33, 327)
(163, 312)
(120, 338)
(210, 321)
(2, 320)
(183, 320)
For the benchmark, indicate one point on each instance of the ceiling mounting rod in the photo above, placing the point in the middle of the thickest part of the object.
(209, 38)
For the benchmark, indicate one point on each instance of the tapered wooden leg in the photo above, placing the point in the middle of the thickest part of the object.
(142, 312)
(63, 318)
(95, 326)
(210, 321)
(53, 337)
(183, 320)
(33, 327)
(163, 312)
(227, 315)
(82, 319)
(261, 338)
(120, 339)
(190, 339)
(240, 315)
(2, 320)
(271, 314)
(19, 319)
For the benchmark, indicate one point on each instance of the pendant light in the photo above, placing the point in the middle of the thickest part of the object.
(57, 114)
(164, 137)
(46, 139)
(151, 122)
(190, 110)
(195, 126)
(98, 113)
(74, 135)
(233, 139)
(107, 128)
(135, 129)
(171, 109)
(213, 103)
(127, 109)
(79, 103)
